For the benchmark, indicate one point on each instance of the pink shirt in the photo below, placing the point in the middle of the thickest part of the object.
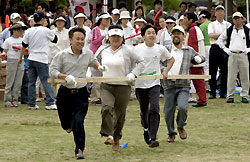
(96, 40)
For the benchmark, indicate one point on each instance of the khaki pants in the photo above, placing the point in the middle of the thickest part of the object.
(115, 100)
(14, 76)
(95, 92)
(238, 63)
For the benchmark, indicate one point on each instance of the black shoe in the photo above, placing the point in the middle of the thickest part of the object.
(153, 143)
(23, 102)
(244, 100)
(98, 102)
(79, 155)
(146, 137)
(200, 105)
(223, 96)
(212, 97)
(230, 100)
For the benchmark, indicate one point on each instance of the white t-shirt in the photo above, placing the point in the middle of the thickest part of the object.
(8, 45)
(152, 57)
(129, 31)
(116, 64)
(178, 57)
(38, 38)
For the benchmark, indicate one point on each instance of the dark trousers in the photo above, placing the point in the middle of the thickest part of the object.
(217, 58)
(72, 108)
(150, 117)
(24, 88)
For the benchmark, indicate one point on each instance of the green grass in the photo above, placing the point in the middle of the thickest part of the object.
(219, 132)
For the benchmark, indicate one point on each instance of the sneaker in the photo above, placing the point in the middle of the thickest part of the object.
(69, 130)
(146, 136)
(192, 100)
(51, 107)
(98, 102)
(200, 105)
(116, 145)
(153, 143)
(8, 104)
(230, 100)
(38, 100)
(14, 104)
(79, 155)
(109, 141)
(33, 107)
(244, 100)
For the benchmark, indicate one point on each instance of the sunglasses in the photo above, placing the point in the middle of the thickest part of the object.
(169, 23)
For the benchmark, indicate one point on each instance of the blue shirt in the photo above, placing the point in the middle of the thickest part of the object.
(4, 35)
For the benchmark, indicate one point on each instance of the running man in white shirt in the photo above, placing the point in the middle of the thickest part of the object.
(148, 91)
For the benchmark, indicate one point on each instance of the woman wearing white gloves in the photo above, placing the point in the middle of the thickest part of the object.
(119, 60)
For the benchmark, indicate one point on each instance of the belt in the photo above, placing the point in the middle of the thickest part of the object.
(237, 52)
(73, 90)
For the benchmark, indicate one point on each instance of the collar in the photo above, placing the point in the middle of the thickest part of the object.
(69, 50)
(219, 22)
(182, 48)
(238, 29)
(38, 25)
(58, 30)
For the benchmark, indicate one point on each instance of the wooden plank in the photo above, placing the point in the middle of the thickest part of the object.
(119, 79)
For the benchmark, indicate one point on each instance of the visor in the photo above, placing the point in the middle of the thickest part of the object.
(118, 32)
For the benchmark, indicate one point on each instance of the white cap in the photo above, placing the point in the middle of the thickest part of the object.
(140, 20)
(181, 17)
(125, 15)
(23, 25)
(60, 18)
(237, 14)
(80, 15)
(118, 32)
(15, 15)
(170, 20)
(219, 7)
(115, 11)
(178, 27)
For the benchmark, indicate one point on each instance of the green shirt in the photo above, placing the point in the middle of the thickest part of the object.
(204, 29)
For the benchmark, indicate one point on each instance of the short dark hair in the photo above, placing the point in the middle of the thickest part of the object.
(191, 15)
(146, 27)
(44, 6)
(192, 4)
(136, 3)
(182, 4)
(157, 2)
(149, 21)
(38, 16)
(207, 13)
(76, 29)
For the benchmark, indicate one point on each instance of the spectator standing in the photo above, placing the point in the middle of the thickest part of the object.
(182, 8)
(237, 47)
(217, 57)
(14, 71)
(69, 18)
(37, 39)
(195, 39)
(137, 4)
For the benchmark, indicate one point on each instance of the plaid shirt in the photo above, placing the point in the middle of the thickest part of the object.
(188, 58)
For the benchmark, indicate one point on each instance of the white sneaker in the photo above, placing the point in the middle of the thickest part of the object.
(36, 107)
(51, 107)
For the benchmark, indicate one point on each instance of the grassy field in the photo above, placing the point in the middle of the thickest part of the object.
(220, 132)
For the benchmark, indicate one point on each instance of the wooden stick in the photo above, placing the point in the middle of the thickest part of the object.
(120, 79)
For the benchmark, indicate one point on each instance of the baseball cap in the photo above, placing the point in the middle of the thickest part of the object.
(237, 14)
(118, 32)
(14, 15)
(178, 27)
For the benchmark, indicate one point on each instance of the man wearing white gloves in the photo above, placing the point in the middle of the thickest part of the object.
(237, 47)
(72, 97)
(177, 91)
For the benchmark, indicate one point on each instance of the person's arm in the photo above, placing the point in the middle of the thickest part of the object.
(23, 50)
(221, 39)
(96, 36)
(170, 64)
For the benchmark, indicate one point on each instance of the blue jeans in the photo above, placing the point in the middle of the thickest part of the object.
(42, 70)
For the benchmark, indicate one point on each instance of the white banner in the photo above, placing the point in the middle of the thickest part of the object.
(80, 5)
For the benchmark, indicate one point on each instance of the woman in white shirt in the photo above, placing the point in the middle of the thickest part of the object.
(14, 71)
(128, 30)
(119, 61)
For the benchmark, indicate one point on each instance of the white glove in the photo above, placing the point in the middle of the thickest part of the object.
(227, 50)
(131, 77)
(197, 59)
(71, 80)
(103, 68)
